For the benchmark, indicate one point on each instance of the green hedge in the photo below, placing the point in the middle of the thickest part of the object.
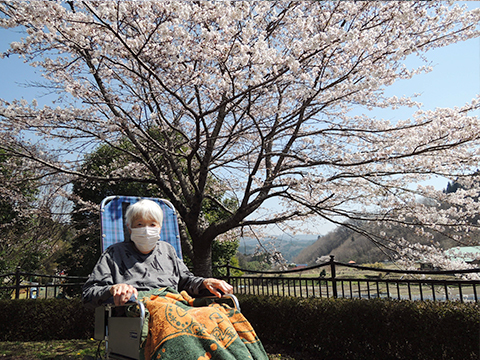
(367, 329)
(323, 328)
(44, 319)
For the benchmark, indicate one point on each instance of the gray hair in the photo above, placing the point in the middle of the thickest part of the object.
(143, 209)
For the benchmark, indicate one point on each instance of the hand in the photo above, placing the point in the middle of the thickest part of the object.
(213, 285)
(122, 293)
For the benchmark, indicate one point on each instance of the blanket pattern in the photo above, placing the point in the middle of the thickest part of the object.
(179, 330)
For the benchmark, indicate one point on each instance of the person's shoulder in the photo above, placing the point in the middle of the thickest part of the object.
(117, 248)
(164, 245)
(119, 245)
(166, 249)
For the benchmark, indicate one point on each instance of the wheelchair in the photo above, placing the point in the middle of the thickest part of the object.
(123, 334)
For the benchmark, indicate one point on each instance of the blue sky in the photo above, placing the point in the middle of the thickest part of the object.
(454, 80)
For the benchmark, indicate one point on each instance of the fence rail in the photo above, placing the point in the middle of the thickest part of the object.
(54, 286)
(330, 283)
(407, 285)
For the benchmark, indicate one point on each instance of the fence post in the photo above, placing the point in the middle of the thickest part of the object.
(228, 271)
(334, 281)
(17, 283)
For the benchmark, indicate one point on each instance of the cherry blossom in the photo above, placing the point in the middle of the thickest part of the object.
(258, 95)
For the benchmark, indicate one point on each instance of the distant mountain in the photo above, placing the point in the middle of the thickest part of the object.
(289, 246)
(347, 245)
(345, 248)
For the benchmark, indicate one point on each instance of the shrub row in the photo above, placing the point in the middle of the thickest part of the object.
(322, 328)
(44, 319)
(367, 329)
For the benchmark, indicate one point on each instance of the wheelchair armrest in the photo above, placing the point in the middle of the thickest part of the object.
(234, 300)
(231, 297)
(132, 301)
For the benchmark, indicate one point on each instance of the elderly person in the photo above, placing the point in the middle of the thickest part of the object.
(143, 264)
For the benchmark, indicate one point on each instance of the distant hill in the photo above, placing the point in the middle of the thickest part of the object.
(345, 248)
(342, 242)
(289, 246)
(347, 245)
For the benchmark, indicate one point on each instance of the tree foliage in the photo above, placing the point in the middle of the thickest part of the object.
(32, 226)
(256, 94)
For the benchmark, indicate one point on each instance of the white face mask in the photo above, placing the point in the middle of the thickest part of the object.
(145, 237)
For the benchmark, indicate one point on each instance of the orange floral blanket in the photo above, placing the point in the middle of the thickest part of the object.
(179, 330)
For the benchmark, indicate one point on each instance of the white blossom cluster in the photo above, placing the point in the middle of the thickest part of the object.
(258, 95)
(411, 254)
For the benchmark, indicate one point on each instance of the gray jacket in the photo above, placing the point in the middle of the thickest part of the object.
(122, 263)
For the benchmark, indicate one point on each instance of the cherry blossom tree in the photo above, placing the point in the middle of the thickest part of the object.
(257, 95)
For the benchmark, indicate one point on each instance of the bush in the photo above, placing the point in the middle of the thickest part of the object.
(367, 329)
(322, 328)
(45, 319)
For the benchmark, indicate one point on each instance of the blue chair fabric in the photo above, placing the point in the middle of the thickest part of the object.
(114, 229)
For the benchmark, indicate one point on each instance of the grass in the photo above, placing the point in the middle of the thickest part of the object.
(68, 350)
(55, 349)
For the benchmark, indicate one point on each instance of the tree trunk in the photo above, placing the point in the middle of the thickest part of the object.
(202, 261)
(187, 248)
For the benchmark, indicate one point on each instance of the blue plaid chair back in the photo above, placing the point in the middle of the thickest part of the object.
(114, 229)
